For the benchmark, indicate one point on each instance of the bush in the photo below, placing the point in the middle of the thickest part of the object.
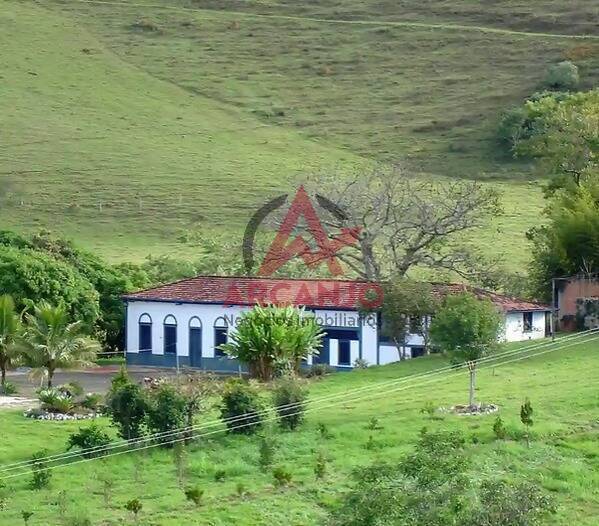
(499, 428)
(268, 450)
(289, 398)
(241, 402)
(166, 411)
(220, 475)
(320, 467)
(8, 389)
(134, 506)
(39, 471)
(361, 363)
(282, 476)
(91, 437)
(194, 495)
(127, 407)
(562, 76)
(318, 370)
(93, 402)
(72, 389)
(54, 400)
(511, 126)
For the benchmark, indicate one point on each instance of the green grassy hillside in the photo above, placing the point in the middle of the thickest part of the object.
(563, 457)
(128, 122)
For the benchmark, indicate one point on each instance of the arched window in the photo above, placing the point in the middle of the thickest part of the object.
(220, 335)
(145, 333)
(170, 335)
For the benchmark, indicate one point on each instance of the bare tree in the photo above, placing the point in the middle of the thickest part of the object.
(405, 222)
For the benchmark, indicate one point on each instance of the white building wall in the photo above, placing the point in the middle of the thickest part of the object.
(158, 311)
(209, 314)
(514, 327)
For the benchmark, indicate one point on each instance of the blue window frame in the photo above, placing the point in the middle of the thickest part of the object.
(145, 333)
(220, 337)
(170, 335)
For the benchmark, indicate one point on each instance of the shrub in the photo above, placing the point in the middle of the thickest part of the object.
(93, 401)
(54, 400)
(429, 408)
(39, 472)
(72, 389)
(26, 515)
(194, 495)
(323, 431)
(499, 428)
(282, 476)
(126, 406)
(8, 389)
(320, 467)
(361, 363)
(79, 520)
(134, 506)
(373, 424)
(562, 76)
(511, 126)
(318, 370)
(289, 399)
(526, 413)
(268, 450)
(241, 402)
(166, 411)
(220, 475)
(91, 437)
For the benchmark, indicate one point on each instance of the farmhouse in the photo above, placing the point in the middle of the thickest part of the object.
(183, 323)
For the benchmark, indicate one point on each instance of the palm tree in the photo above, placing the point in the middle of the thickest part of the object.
(10, 329)
(53, 342)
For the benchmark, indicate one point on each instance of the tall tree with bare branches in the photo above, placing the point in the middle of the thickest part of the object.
(406, 222)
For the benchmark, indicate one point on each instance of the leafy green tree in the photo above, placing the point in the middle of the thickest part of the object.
(10, 330)
(30, 277)
(562, 132)
(53, 342)
(569, 242)
(405, 300)
(270, 338)
(467, 328)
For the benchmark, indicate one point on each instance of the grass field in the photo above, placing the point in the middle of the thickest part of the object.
(563, 458)
(128, 122)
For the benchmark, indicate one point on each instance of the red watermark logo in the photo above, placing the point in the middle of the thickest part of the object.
(289, 244)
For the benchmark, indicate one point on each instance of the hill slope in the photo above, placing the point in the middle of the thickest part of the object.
(129, 121)
(563, 458)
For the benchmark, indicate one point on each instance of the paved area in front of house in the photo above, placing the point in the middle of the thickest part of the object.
(96, 380)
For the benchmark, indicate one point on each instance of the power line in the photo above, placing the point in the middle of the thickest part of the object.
(313, 406)
(177, 440)
(377, 386)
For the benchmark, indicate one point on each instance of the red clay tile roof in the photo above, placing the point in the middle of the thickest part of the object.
(505, 303)
(311, 293)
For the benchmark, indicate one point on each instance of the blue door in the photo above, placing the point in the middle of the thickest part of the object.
(195, 346)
